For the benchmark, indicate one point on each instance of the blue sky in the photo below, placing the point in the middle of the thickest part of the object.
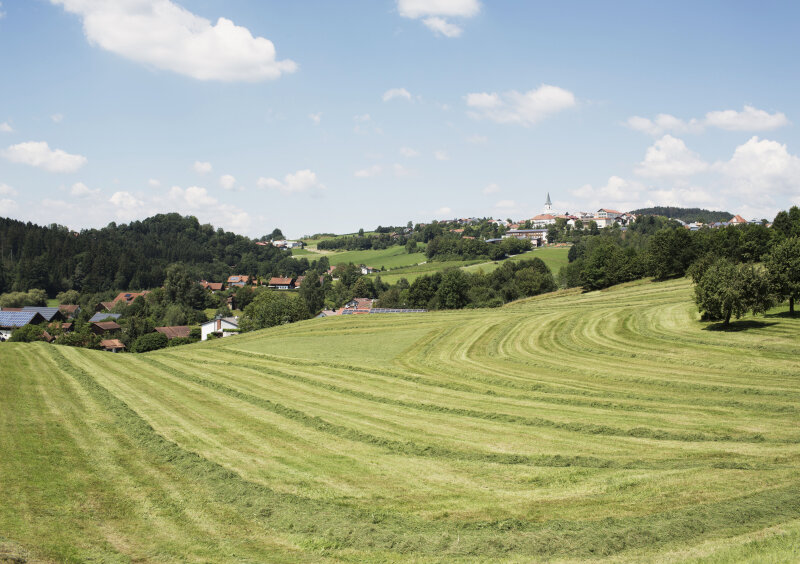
(318, 116)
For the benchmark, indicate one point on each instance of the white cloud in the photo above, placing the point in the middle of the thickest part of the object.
(154, 183)
(197, 201)
(6, 128)
(526, 108)
(690, 196)
(749, 119)
(125, 200)
(408, 152)
(491, 189)
(192, 197)
(669, 156)
(761, 167)
(2, 13)
(454, 8)
(663, 123)
(316, 118)
(202, 168)
(435, 12)
(7, 206)
(80, 189)
(39, 154)
(374, 170)
(617, 192)
(477, 139)
(57, 118)
(443, 27)
(6, 190)
(396, 93)
(443, 211)
(300, 181)
(441, 155)
(162, 34)
(227, 181)
(362, 118)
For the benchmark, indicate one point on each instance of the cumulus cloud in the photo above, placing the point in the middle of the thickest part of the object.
(524, 108)
(227, 181)
(434, 13)
(40, 155)
(441, 26)
(441, 155)
(408, 152)
(762, 167)
(6, 128)
(162, 34)
(300, 181)
(374, 170)
(202, 168)
(79, 189)
(749, 119)
(6, 190)
(396, 93)
(491, 189)
(316, 118)
(669, 156)
(2, 13)
(663, 123)
(197, 201)
(125, 200)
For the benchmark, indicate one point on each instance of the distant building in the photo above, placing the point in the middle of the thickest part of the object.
(238, 280)
(126, 297)
(535, 236)
(737, 220)
(10, 321)
(218, 327)
(278, 283)
(112, 345)
(175, 331)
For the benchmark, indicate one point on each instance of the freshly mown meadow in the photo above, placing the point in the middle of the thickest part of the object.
(603, 426)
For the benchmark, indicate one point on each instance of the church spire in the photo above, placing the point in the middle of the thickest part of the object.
(548, 206)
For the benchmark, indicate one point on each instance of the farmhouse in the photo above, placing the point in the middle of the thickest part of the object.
(125, 297)
(104, 317)
(112, 345)
(213, 287)
(49, 313)
(238, 280)
(175, 331)
(13, 320)
(70, 311)
(103, 327)
(278, 283)
(218, 326)
(536, 236)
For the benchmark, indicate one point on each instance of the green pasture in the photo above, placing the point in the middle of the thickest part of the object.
(610, 426)
(553, 257)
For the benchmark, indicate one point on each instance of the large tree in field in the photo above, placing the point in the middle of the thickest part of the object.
(783, 265)
(730, 290)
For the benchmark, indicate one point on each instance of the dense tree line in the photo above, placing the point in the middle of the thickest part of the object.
(451, 247)
(689, 215)
(129, 256)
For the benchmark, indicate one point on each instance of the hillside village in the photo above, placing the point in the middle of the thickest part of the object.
(548, 228)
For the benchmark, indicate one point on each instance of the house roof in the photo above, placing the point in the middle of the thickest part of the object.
(542, 216)
(609, 211)
(112, 344)
(129, 297)
(69, 308)
(16, 319)
(237, 278)
(360, 304)
(277, 281)
(232, 320)
(101, 316)
(107, 325)
(47, 312)
(738, 219)
(175, 331)
(107, 305)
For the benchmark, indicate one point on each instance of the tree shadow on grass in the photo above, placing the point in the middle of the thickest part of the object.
(784, 314)
(735, 326)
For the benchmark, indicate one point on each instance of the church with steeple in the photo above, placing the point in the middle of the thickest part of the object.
(548, 206)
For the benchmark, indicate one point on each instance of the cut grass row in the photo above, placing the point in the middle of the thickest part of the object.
(604, 425)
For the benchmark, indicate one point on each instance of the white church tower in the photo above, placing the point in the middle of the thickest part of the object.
(548, 206)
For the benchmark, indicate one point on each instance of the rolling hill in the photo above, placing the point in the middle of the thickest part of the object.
(610, 426)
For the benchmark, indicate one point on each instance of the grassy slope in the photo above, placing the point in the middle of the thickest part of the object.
(609, 425)
(553, 257)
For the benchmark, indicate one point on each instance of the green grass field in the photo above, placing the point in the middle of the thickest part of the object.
(553, 257)
(609, 426)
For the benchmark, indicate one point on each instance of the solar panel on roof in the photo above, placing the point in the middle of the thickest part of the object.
(16, 318)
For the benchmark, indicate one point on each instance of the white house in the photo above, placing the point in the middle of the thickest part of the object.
(218, 327)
